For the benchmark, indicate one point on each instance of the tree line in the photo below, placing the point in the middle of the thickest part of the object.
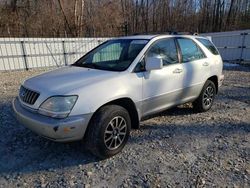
(105, 18)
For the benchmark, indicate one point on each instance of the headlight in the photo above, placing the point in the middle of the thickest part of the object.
(57, 106)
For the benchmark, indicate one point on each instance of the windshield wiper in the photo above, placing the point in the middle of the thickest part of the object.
(95, 66)
(86, 65)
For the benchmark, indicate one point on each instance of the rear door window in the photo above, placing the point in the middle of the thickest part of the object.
(190, 51)
(209, 45)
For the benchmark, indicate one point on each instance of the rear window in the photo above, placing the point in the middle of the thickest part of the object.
(209, 45)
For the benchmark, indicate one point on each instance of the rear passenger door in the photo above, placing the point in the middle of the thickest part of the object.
(195, 65)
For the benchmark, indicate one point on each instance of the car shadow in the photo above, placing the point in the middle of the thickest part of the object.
(42, 155)
(22, 151)
(205, 129)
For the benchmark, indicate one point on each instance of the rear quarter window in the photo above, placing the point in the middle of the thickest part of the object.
(209, 45)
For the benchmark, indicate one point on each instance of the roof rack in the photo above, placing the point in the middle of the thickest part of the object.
(187, 33)
(167, 33)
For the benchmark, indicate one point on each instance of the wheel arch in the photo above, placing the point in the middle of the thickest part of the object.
(129, 105)
(214, 79)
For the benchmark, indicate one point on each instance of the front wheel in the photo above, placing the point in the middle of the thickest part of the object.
(108, 131)
(206, 98)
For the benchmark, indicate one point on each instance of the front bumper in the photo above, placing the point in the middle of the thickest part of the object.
(61, 130)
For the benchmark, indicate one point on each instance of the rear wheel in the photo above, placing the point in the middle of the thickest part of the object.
(206, 98)
(108, 131)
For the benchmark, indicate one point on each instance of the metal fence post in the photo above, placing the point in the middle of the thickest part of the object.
(242, 47)
(64, 53)
(24, 55)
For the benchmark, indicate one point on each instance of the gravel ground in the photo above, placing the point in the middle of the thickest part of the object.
(177, 148)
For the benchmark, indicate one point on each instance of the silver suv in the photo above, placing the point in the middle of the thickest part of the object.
(109, 90)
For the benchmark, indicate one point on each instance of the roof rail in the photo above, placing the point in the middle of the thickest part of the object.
(187, 33)
(156, 33)
(167, 33)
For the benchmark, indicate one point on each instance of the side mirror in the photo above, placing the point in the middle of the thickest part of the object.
(153, 63)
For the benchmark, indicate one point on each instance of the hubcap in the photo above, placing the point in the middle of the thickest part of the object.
(115, 133)
(208, 96)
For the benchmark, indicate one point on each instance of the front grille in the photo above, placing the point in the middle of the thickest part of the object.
(28, 96)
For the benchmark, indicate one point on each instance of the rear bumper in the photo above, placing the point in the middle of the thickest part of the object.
(61, 130)
(221, 79)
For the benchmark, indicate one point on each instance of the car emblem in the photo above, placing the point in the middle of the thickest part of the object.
(22, 94)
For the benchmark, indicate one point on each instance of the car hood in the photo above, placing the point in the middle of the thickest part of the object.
(64, 80)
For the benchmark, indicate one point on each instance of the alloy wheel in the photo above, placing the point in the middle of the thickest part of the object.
(115, 133)
(208, 96)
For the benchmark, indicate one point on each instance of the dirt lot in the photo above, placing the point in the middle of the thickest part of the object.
(177, 148)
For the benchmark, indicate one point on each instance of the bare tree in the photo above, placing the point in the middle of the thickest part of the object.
(79, 18)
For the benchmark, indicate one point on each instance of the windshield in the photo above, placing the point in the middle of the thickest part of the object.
(113, 55)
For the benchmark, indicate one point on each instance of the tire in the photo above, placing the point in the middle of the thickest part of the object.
(103, 127)
(206, 98)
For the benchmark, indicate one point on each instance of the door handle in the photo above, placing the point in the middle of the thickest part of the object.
(177, 70)
(205, 64)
